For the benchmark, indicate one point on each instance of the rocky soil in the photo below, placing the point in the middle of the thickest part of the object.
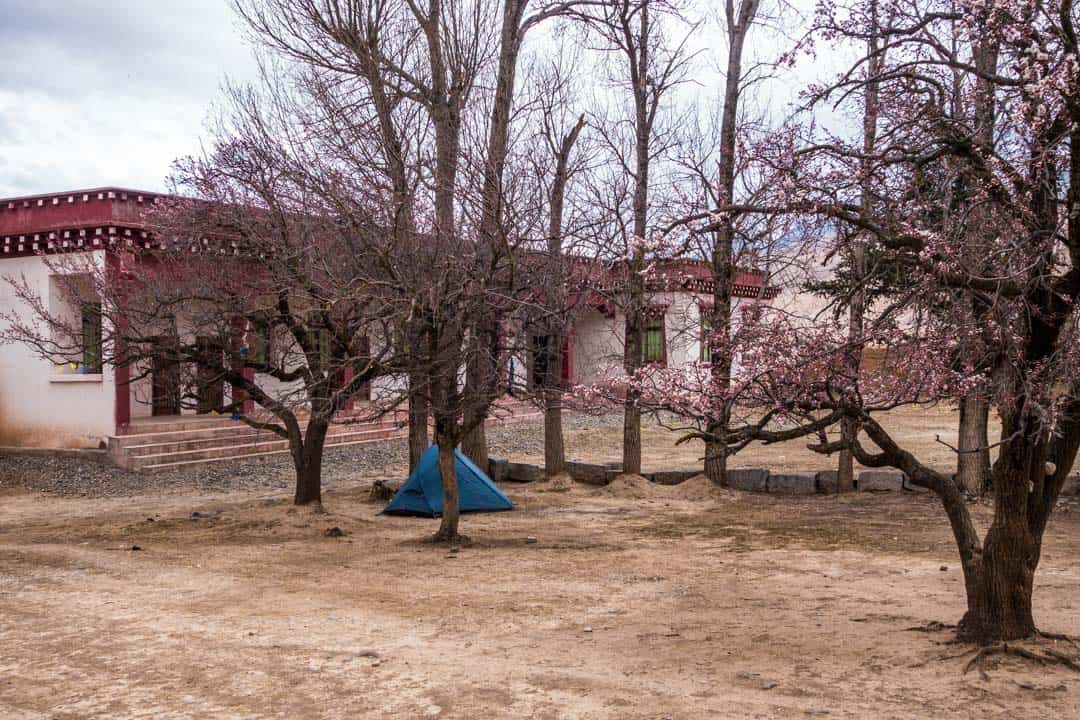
(388, 459)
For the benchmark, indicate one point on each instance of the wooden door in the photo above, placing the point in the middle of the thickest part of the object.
(165, 381)
(211, 385)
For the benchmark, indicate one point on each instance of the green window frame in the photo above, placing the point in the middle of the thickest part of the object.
(653, 342)
(92, 337)
(321, 338)
(706, 330)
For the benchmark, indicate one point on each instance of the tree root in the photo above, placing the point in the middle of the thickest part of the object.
(1047, 657)
(442, 538)
(932, 626)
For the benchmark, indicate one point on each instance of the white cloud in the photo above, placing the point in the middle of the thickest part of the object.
(109, 93)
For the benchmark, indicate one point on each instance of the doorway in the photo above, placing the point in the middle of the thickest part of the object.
(165, 381)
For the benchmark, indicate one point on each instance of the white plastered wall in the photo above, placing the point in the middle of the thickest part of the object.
(598, 338)
(39, 406)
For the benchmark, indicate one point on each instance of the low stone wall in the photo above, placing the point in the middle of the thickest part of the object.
(759, 480)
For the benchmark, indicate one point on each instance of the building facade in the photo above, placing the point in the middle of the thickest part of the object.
(85, 403)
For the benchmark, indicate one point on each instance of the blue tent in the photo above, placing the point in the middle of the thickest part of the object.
(422, 492)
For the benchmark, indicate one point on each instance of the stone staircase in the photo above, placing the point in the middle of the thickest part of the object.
(155, 444)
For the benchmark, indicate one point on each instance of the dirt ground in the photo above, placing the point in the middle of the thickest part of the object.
(625, 602)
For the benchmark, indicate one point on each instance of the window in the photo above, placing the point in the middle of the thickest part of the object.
(653, 348)
(706, 331)
(91, 337)
(261, 344)
(321, 339)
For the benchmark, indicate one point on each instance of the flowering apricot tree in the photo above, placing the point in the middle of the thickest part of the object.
(1000, 284)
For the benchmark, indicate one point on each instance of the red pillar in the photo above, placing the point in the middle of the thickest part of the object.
(240, 328)
(121, 370)
(122, 414)
(347, 375)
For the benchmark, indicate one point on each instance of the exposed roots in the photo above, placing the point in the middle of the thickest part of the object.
(1047, 656)
(930, 627)
(445, 538)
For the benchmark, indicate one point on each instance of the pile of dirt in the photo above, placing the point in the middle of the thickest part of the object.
(560, 483)
(632, 487)
(698, 487)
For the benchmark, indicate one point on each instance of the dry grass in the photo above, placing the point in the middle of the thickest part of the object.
(915, 428)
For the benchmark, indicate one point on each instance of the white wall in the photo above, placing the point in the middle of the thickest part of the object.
(40, 407)
(598, 347)
(598, 339)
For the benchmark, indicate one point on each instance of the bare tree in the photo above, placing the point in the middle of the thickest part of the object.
(426, 60)
(254, 285)
(557, 126)
(647, 65)
(492, 230)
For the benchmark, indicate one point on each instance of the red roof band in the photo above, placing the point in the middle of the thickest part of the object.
(97, 218)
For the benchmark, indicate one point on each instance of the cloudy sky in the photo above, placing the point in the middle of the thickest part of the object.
(99, 93)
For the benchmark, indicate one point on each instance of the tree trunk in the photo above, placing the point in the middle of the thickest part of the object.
(845, 476)
(418, 420)
(481, 386)
(554, 448)
(849, 427)
(475, 445)
(723, 253)
(481, 366)
(631, 462)
(307, 459)
(999, 606)
(635, 306)
(448, 527)
(554, 445)
(1000, 589)
(716, 463)
(973, 461)
(632, 356)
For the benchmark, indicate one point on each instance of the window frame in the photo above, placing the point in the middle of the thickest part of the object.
(653, 325)
(91, 318)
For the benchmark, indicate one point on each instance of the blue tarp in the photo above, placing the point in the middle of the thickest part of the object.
(422, 492)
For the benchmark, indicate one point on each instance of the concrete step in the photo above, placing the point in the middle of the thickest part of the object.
(235, 431)
(192, 423)
(181, 423)
(163, 466)
(239, 450)
(194, 439)
(199, 440)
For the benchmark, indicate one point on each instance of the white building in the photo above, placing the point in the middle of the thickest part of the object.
(90, 404)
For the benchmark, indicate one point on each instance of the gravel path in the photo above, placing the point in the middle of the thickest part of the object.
(388, 459)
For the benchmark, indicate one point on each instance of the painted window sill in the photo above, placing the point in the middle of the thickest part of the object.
(77, 378)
